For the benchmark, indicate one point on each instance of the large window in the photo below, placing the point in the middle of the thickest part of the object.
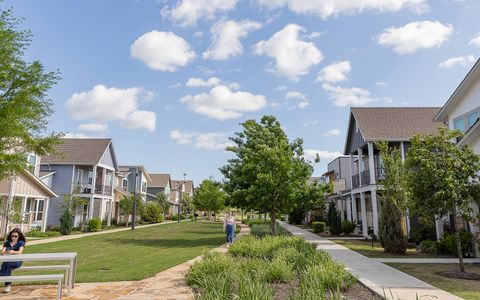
(466, 121)
(31, 162)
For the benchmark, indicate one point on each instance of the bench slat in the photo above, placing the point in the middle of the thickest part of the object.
(51, 267)
(31, 277)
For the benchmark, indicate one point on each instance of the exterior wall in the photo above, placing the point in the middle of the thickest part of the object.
(155, 190)
(476, 145)
(107, 158)
(61, 184)
(470, 101)
(48, 181)
(356, 140)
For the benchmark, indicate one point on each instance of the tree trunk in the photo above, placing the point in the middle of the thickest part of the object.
(459, 245)
(265, 216)
(242, 214)
(273, 221)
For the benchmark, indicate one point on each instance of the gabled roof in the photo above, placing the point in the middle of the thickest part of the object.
(40, 183)
(129, 169)
(46, 174)
(78, 152)
(395, 124)
(469, 79)
(159, 180)
(189, 189)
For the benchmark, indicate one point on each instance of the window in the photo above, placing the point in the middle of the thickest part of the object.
(124, 184)
(90, 176)
(39, 210)
(79, 177)
(144, 186)
(472, 118)
(31, 162)
(459, 124)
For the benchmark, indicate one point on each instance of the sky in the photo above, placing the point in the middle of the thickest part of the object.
(170, 81)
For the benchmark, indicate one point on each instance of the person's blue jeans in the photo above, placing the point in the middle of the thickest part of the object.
(230, 231)
(7, 267)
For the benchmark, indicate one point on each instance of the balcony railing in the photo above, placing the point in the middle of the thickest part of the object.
(355, 181)
(103, 190)
(365, 176)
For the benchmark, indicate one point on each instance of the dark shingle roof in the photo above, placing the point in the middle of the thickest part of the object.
(395, 123)
(188, 185)
(78, 152)
(159, 180)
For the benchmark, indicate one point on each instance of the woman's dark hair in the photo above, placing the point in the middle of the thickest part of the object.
(21, 237)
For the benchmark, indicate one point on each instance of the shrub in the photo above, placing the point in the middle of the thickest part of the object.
(297, 215)
(430, 247)
(423, 233)
(348, 227)
(334, 221)
(94, 225)
(66, 222)
(318, 227)
(391, 233)
(152, 213)
(261, 230)
(448, 246)
(39, 234)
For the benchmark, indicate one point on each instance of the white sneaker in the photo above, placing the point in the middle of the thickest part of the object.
(8, 289)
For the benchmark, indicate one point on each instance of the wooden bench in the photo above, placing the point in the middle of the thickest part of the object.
(30, 278)
(66, 268)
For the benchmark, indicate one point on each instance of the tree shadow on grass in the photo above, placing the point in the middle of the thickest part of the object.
(168, 243)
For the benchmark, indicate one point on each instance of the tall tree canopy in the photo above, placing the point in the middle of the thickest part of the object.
(268, 171)
(24, 106)
(442, 178)
(209, 197)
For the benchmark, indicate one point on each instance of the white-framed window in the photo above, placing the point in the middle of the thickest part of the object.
(125, 184)
(144, 186)
(79, 177)
(90, 176)
(31, 162)
(466, 121)
(35, 207)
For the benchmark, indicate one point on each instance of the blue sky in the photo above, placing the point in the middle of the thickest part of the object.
(169, 81)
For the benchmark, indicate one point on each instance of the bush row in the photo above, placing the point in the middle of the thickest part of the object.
(253, 264)
(347, 227)
(447, 244)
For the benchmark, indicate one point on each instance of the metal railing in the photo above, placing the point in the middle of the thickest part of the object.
(103, 189)
(355, 181)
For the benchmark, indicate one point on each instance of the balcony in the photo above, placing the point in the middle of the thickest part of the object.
(103, 190)
(355, 181)
(365, 176)
(99, 189)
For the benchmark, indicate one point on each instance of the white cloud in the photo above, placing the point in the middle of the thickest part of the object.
(281, 88)
(226, 37)
(293, 56)
(381, 84)
(140, 119)
(188, 12)
(221, 103)
(310, 123)
(335, 72)
(457, 61)
(329, 8)
(93, 127)
(206, 141)
(304, 102)
(311, 154)
(162, 51)
(198, 82)
(234, 86)
(103, 104)
(333, 132)
(71, 135)
(415, 36)
(348, 96)
(475, 41)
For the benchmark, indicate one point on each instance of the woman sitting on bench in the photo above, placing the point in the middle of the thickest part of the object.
(14, 245)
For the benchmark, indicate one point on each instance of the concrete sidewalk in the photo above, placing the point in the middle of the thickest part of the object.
(382, 279)
(427, 260)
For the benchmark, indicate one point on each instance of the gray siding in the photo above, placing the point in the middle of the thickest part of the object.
(345, 170)
(107, 158)
(154, 191)
(61, 185)
(355, 138)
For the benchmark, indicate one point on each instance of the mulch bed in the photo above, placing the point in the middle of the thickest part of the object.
(355, 292)
(460, 275)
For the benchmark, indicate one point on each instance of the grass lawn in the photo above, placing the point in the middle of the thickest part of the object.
(468, 289)
(364, 247)
(135, 255)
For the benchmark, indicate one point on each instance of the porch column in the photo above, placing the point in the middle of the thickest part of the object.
(104, 175)
(360, 166)
(439, 227)
(407, 219)
(45, 214)
(349, 206)
(373, 197)
(363, 208)
(354, 207)
(342, 210)
(22, 212)
(371, 163)
(402, 150)
(90, 207)
(94, 183)
(101, 209)
(109, 212)
(348, 203)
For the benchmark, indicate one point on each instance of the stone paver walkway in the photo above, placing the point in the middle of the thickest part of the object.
(82, 235)
(382, 279)
(167, 285)
(427, 260)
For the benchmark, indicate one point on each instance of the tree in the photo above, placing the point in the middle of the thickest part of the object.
(441, 178)
(394, 200)
(268, 171)
(310, 198)
(209, 197)
(162, 200)
(186, 204)
(69, 205)
(334, 220)
(24, 107)
(126, 206)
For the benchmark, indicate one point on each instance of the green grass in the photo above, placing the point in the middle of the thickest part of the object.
(364, 247)
(467, 289)
(135, 255)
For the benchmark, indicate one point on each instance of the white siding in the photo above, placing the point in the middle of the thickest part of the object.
(470, 101)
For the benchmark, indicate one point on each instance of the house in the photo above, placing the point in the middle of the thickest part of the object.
(28, 196)
(179, 188)
(84, 168)
(137, 179)
(396, 125)
(462, 111)
(338, 174)
(160, 183)
(120, 190)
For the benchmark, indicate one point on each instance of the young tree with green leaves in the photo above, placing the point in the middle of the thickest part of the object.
(334, 220)
(186, 204)
(69, 206)
(308, 199)
(268, 171)
(209, 197)
(394, 200)
(126, 206)
(442, 178)
(24, 106)
(162, 200)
